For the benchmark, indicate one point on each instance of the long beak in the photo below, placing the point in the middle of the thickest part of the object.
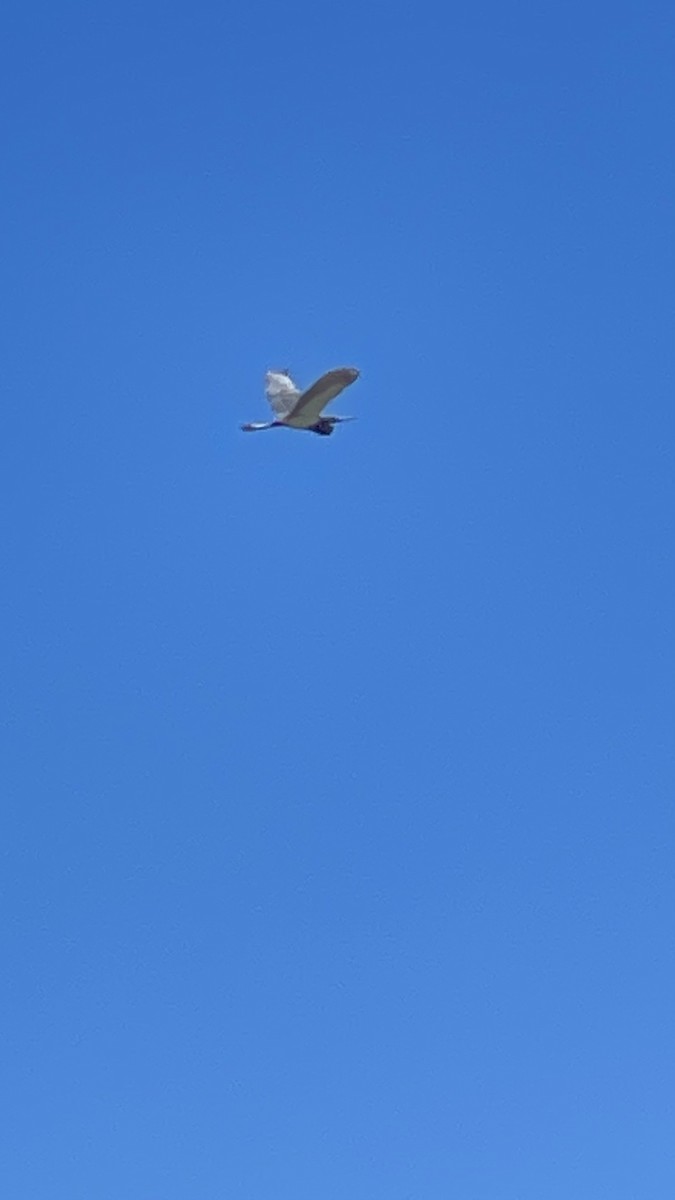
(344, 418)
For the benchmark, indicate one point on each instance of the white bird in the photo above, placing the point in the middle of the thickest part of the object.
(302, 410)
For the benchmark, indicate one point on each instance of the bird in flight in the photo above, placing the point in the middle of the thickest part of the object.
(302, 410)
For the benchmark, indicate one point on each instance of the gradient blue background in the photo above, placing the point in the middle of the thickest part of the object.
(338, 838)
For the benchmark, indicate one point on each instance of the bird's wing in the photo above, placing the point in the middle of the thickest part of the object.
(312, 402)
(281, 392)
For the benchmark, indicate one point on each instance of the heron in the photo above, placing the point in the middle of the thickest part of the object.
(302, 410)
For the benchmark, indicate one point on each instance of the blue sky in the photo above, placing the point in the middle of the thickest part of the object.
(338, 773)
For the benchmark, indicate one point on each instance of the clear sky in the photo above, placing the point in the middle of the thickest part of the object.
(338, 778)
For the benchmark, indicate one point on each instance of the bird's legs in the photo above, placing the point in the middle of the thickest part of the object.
(326, 425)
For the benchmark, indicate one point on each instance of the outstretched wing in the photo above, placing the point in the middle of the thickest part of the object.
(281, 392)
(311, 403)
